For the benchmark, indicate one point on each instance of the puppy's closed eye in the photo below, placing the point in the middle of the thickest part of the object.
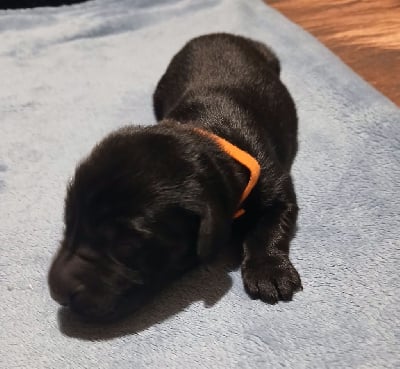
(126, 250)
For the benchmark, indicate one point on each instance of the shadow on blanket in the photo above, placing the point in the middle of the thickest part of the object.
(206, 283)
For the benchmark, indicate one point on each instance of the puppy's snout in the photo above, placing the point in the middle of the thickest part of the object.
(74, 283)
(76, 298)
(63, 282)
(63, 287)
(72, 299)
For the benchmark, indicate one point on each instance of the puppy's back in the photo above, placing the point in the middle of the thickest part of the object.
(212, 60)
(230, 85)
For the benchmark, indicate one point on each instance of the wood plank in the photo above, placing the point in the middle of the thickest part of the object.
(364, 34)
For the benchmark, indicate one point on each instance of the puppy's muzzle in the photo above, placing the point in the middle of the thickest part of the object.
(67, 287)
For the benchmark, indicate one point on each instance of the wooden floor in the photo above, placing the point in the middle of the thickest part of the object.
(364, 33)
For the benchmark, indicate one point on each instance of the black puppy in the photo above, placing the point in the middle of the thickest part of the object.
(151, 202)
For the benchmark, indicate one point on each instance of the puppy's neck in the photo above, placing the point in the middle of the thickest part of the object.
(240, 156)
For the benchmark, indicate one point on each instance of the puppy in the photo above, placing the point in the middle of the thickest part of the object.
(150, 203)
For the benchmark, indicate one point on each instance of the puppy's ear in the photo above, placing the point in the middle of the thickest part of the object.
(213, 232)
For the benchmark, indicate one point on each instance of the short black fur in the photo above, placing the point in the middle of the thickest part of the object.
(150, 203)
(17, 4)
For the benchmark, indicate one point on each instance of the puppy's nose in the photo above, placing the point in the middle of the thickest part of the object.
(74, 297)
(64, 286)
(66, 293)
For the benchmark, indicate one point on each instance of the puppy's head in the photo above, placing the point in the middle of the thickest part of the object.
(134, 219)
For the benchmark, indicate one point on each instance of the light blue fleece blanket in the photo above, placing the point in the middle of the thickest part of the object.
(70, 75)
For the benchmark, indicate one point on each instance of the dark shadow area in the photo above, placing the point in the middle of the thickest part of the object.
(207, 283)
(17, 4)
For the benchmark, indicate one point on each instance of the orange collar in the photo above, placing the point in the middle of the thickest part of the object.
(243, 158)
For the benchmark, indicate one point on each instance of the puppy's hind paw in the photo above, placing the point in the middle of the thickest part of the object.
(271, 279)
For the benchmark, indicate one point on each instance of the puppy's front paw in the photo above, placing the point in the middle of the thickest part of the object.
(270, 278)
